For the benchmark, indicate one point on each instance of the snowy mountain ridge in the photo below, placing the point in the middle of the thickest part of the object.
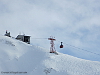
(19, 58)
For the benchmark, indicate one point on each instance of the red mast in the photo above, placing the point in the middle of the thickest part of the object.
(52, 48)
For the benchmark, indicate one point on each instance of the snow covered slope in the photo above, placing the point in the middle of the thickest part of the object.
(19, 58)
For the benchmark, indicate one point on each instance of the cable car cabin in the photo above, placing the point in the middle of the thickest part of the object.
(61, 46)
(23, 38)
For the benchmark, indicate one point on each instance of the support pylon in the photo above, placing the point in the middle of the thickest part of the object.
(52, 48)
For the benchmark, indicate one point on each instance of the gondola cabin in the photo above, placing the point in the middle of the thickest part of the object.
(23, 38)
(61, 46)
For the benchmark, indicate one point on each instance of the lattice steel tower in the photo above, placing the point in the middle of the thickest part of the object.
(52, 48)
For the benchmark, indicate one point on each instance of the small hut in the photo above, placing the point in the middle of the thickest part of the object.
(7, 34)
(23, 38)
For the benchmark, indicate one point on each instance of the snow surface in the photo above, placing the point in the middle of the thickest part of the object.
(19, 58)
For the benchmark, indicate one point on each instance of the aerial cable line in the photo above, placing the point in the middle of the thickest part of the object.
(80, 48)
(39, 38)
(72, 46)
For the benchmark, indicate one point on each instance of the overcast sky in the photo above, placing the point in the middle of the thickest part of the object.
(74, 22)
